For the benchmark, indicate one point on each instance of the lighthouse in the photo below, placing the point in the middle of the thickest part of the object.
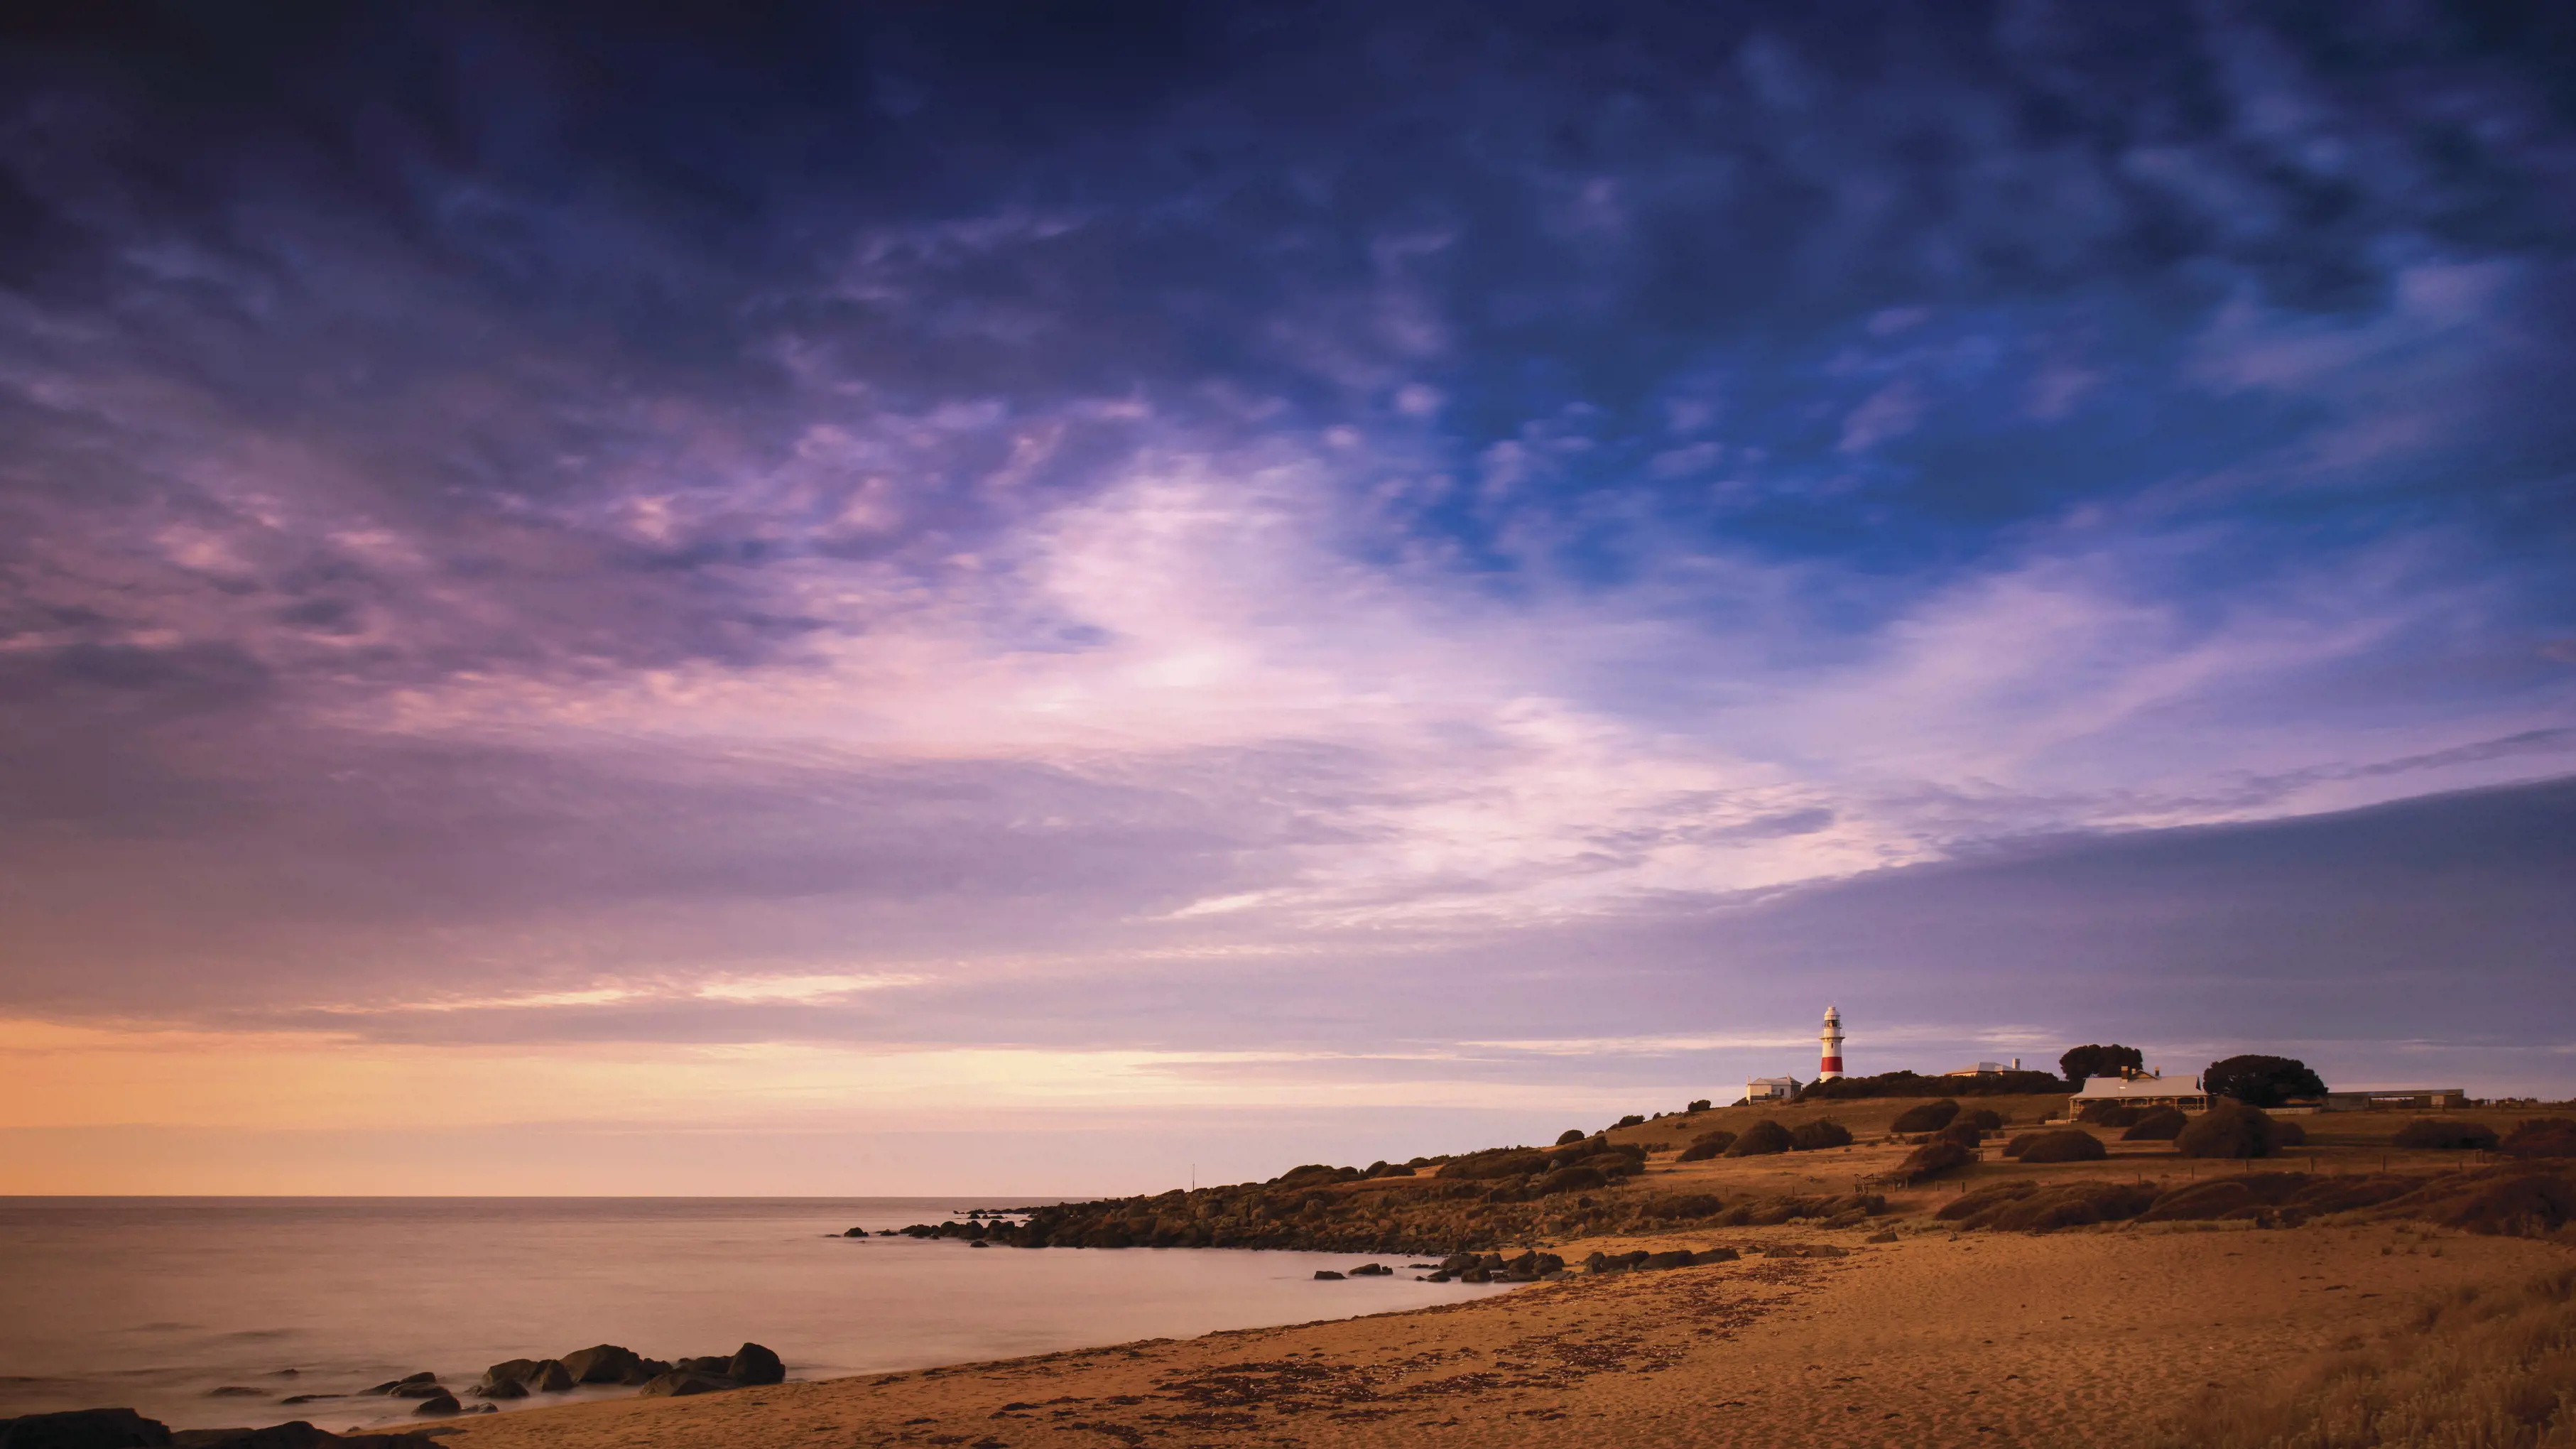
(1832, 1036)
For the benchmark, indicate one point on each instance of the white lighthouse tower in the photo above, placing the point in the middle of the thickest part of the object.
(1832, 1036)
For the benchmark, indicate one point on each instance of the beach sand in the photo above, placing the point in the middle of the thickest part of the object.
(2079, 1337)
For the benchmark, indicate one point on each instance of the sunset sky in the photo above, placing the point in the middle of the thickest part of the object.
(986, 598)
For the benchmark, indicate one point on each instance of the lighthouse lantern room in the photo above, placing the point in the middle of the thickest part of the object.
(1832, 1066)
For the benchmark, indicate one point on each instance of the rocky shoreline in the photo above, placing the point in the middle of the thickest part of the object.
(749, 1366)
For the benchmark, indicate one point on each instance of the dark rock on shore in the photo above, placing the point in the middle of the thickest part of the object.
(516, 1378)
(551, 1377)
(1640, 1259)
(439, 1406)
(236, 1391)
(429, 1390)
(126, 1429)
(754, 1365)
(85, 1429)
(296, 1434)
(607, 1363)
(1323, 1274)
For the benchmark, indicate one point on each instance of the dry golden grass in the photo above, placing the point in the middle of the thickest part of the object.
(2472, 1371)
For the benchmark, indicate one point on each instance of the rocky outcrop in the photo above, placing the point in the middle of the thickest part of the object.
(126, 1429)
(1641, 1260)
(607, 1363)
(754, 1365)
(296, 1434)
(746, 1367)
(519, 1377)
(84, 1429)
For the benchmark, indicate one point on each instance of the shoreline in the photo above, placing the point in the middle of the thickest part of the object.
(2002, 1297)
(1935, 1338)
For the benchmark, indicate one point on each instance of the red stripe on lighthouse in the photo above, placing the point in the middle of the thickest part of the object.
(1833, 1064)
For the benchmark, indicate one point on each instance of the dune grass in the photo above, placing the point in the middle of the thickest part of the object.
(2471, 1371)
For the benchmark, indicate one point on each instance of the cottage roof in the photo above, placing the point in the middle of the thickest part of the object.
(2135, 1088)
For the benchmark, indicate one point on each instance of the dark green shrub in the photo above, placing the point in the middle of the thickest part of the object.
(1760, 1140)
(1993, 1194)
(1631, 1120)
(1610, 1157)
(1910, 1084)
(2261, 1081)
(2532, 1206)
(1699, 1106)
(2228, 1130)
(2252, 1195)
(2449, 1136)
(2542, 1137)
(2067, 1144)
(1926, 1117)
(1570, 1135)
(2159, 1124)
(1495, 1162)
(1984, 1119)
(1822, 1133)
(2286, 1133)
(2112, 1114)
(1932, 1159)
(2021, 1143)
(1566, 1155)
(1313, 1174)
(1963, 1133)
(1568, 1179)
(2038, 1208)
(1707, 1145)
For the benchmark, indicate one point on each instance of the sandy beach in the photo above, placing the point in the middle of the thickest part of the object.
(1934, 1339)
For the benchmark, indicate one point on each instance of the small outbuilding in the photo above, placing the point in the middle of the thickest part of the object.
(2396, 1099)
(1770, 1089)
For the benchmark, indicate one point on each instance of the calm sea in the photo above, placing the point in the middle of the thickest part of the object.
(156, 1303)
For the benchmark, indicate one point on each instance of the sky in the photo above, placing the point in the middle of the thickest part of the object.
(716, 599)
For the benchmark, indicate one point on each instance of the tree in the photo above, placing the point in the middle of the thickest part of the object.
(2100, 1061)
(2261, 1081)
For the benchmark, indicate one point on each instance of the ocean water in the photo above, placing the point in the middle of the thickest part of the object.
(156, 1303)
